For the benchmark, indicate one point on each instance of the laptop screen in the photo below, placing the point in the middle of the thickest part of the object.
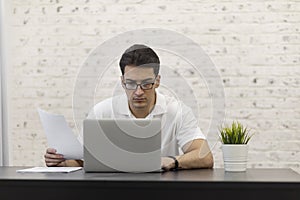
(125, 145)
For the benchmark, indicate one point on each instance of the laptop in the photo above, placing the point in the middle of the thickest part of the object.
(122, 145)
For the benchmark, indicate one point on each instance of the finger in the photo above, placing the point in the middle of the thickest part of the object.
(166, 169)
(52, 164)
(54, 156)
(51, 150)
(47, 160)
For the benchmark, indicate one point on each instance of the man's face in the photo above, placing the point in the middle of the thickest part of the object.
(139, 98)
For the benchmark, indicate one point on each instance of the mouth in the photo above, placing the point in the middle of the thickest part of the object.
(139, 99)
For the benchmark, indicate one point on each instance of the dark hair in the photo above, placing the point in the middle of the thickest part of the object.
(140, 55)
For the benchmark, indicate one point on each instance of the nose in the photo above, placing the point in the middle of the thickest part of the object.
(139, 91)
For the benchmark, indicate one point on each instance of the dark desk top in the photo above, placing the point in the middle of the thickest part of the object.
(281, 175)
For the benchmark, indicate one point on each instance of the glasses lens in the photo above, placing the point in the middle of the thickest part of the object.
(134, 86)
(147, 86)
(130, 86)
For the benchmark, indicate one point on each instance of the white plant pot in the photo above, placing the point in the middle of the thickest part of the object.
(235, 157)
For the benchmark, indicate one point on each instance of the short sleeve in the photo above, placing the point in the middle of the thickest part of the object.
(188, 129)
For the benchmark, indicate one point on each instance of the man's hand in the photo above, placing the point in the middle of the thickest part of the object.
(167, 163)
(52, 159)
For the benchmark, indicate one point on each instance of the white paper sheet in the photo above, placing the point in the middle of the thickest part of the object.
(60, 136)
(50, 169)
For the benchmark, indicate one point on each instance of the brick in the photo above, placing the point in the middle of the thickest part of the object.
(253, 45)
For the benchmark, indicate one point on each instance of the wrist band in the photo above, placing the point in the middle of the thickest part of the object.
(176, 162)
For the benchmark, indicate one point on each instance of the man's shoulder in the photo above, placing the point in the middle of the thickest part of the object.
(106, 103)
(103, 102)
(170, 100)
(170, 103)
(108, 107)
(174, 105)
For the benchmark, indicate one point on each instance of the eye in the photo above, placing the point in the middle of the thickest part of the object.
(130, 85)
(146, 84)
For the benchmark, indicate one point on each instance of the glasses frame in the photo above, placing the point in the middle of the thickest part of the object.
(141, 85)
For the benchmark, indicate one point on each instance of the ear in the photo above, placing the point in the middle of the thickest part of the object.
(157, 81)
(122, 81)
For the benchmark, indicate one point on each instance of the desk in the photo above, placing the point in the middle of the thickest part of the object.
(210, 184)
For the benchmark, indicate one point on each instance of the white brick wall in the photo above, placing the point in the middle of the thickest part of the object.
(254, 44)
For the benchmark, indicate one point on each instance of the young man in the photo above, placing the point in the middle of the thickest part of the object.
(183, 144)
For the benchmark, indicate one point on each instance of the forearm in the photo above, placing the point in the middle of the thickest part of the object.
(195, 159)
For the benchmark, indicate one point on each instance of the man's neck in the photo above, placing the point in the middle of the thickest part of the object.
(142, 113)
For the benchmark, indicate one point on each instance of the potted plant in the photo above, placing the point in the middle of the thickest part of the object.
(235, 138)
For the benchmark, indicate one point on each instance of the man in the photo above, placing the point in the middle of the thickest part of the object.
(183, 144)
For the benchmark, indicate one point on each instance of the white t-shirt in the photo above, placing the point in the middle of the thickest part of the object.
(179, 125)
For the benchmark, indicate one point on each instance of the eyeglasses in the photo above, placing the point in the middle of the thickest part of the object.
(134, 85)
